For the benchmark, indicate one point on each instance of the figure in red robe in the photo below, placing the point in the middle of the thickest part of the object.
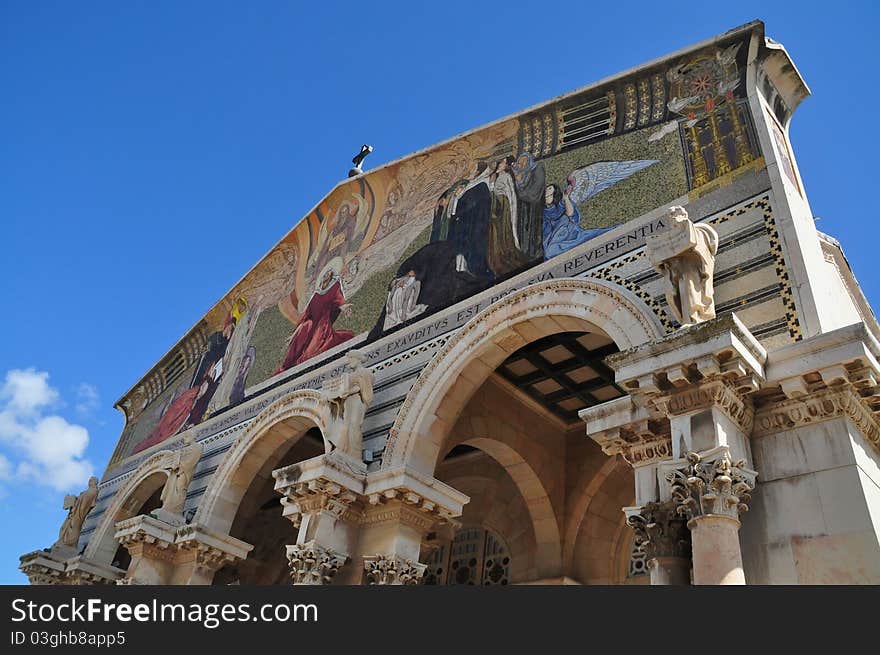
(314, 332)
(174, 417)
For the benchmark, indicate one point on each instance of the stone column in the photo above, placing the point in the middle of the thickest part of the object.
(663, 536)
(711, 491)
(150, 542)
(401, 508)
(322, 500)
(690, 392)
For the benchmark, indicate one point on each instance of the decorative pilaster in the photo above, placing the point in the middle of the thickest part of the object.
(383, 570)
(662, 534)
(711, 491)
(310, 564)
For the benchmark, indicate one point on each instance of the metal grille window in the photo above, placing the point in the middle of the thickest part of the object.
(476, 556)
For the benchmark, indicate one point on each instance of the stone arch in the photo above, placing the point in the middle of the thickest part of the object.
(588, 485)
(548, 556)
(596, 553)
(282, 423)
(469, 357)
(143, 483)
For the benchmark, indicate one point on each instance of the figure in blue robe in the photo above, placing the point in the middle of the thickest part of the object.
(562, 224)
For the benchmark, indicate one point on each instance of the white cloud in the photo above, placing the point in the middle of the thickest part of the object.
(88, 399)
(27, 391)
(42, 447)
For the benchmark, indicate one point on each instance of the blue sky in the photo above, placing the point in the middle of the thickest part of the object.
(151, 152)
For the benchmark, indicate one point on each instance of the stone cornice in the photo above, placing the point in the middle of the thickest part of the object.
(166, 542)
(707, 394)
(338, 485)
(719, 347)
(815, 408)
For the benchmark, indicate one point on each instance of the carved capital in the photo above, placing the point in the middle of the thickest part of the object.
(710, 483)
(311, 564)
(329, 483)
(385, 570)
(660, 531)
(41, 569)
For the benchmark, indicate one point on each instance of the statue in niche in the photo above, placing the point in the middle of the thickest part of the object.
(77, 508)
(183, 467)
(349, 396)
(684, 255)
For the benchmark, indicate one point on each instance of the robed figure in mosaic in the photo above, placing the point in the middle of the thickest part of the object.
(314, 332)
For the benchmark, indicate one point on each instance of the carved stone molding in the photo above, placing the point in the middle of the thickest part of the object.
(660, 531)
(157, 540)
(330, 483)
(45, 567)
(640, 442)
(384, 570)
(704, 395)
(709, 483)
(816, 407)
(41, 569)
(311, 564)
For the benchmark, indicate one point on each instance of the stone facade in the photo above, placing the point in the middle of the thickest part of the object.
(689, 397)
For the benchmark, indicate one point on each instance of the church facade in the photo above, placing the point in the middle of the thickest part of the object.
(597, 342)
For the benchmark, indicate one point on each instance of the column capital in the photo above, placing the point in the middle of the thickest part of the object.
(392, 570)
(188, 550)
(709, 483)
(208, 550)
(42, 568)
(660, 531)
(312, 564)
(330, 483)
(45, 567)
(148, 535)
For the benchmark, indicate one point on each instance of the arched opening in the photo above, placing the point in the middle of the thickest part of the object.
(508, 451)
(495, 415)
(122, 558)
(256, 454)
(259, 519)
(141, 495)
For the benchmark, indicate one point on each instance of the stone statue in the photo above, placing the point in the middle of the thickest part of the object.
(78, 508)
(349, 396)
(684, 255)
(179, 476)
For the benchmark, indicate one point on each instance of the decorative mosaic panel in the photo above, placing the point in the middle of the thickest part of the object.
(405, 241)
